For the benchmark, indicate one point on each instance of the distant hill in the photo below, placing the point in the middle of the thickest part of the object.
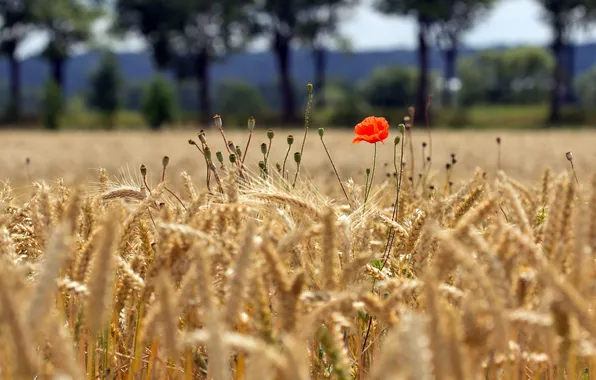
(256, 68)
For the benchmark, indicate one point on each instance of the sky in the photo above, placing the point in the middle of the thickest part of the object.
(511, 22)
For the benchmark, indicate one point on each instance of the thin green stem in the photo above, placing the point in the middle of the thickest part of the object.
(573, 170)
(247, 145)
(296, 176)
(283, 169)
(306, 125)
(430, 139)
(372, 177)
(267, 156)
(336, 173)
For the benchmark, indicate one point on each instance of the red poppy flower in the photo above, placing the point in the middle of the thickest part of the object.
(372, 130)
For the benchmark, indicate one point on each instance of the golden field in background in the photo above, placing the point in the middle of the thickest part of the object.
(77, 156)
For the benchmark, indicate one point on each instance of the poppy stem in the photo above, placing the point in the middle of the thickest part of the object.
(372, 176)
(336, 173)
(283, 168)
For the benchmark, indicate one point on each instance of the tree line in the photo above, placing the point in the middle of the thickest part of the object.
(187, 37)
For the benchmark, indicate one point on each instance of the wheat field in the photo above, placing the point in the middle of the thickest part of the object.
(132, 256)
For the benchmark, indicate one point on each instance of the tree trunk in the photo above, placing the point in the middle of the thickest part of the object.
(14, 111)
(320, 60)
(557, 85)
(570, 97)
(58, 71)
(204, 85)
(422, 93)
(450, 62)
(283, 54)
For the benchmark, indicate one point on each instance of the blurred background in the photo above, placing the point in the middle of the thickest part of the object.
(164, 64)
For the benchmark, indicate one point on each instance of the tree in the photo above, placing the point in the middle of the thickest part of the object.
(278, 20)
(159, 103)
(68, 24)
(17, 23)
(455, 17)
(561, 16)
(155, 21)
(318, 25)
(209, 31)
(106, 87)
(427, 14)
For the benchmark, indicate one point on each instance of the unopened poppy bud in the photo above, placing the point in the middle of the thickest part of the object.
(143, 170)
(219, 156)
(447, 166)
(424, 144)
(217, 121)
(428, 158)
(290, 139)
(238, 151)
(207, 153)
(309, 87)
(454, 161)
(251, 123)
(321, 132)
(202, 137)
(367, 171)
(165, 161)
(569, 156)
(278, 167)
(233, 158)
(297, 157)
(402, 128)
(270, 134)
(262, 165)
(264, 148)
(192, 142)
(231, 146)
(498, 140)
(396, 140)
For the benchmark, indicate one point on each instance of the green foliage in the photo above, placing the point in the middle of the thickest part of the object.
(344, 106)
(52, 105)
(159, 103)
(585, 86)
(106, 87)
(518, 75)
(319, 20)
(69, 23)
(390, 87)
(240, 99)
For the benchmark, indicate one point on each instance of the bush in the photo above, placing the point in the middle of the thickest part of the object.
(389, 87)
(52, 105)
(106, 86)
(159, 103)
(515, 76)
(585, 85)
(239, 98)
(344, 107)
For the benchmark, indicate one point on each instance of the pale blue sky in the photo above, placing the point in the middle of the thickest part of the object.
(510, 22)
